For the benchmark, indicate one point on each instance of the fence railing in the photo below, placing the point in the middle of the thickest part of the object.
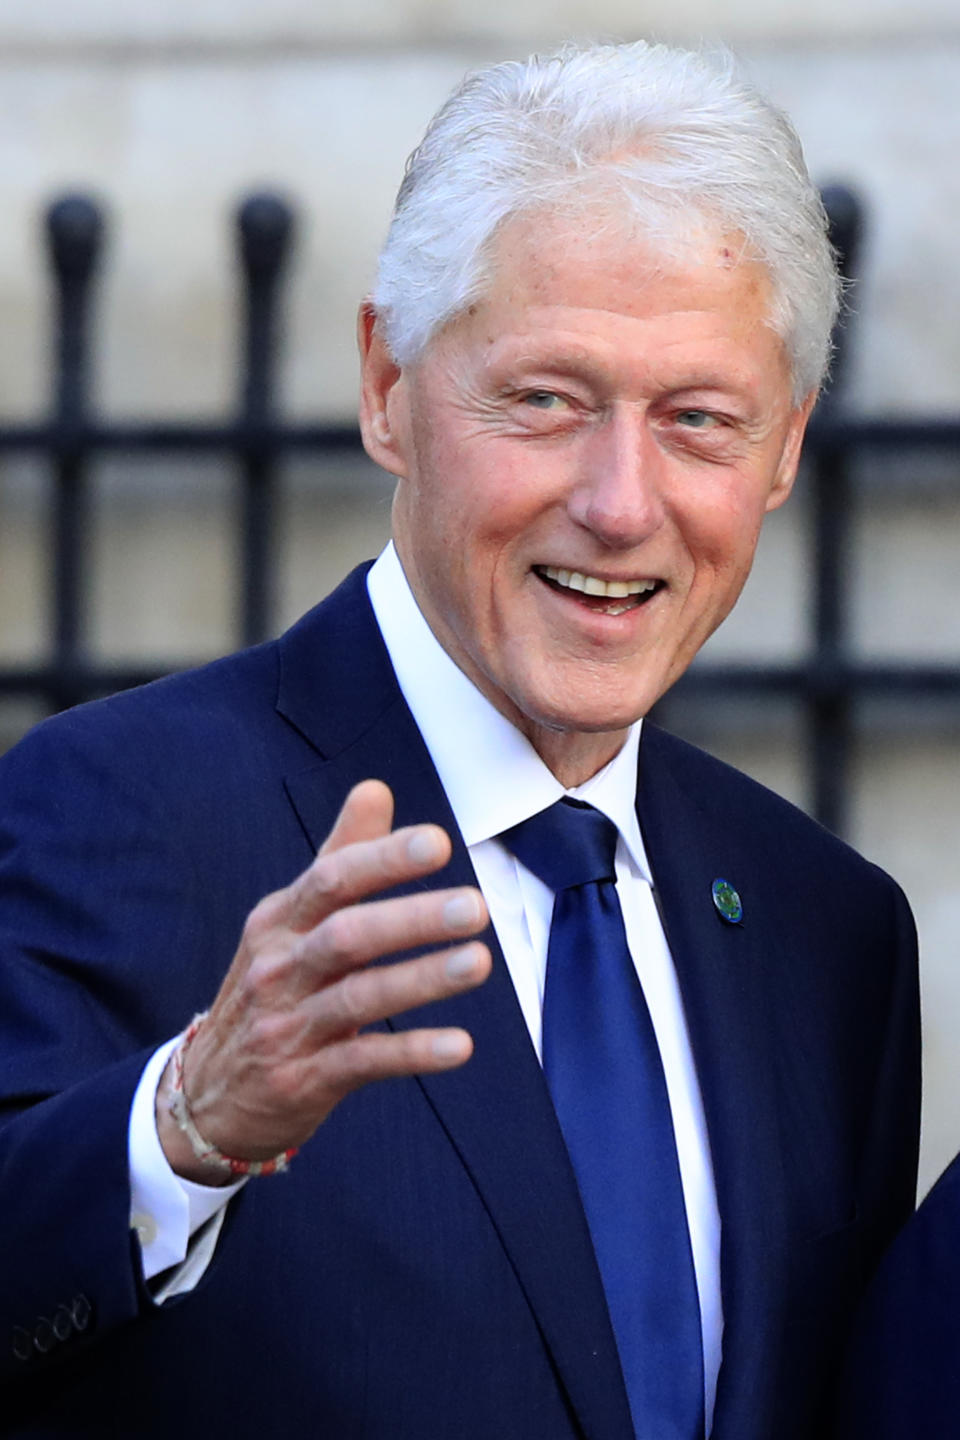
(827, 683)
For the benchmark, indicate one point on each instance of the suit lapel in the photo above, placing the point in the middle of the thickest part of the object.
(720, 968)
(338, 688)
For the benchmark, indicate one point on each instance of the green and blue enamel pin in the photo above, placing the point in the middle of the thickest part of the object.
(727, 902)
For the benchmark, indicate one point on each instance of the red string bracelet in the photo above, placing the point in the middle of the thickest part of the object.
(203, 1149)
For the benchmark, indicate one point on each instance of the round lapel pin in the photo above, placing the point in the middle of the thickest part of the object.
(727, 902)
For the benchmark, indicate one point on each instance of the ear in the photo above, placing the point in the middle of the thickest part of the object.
(384, 417)
(790, 455)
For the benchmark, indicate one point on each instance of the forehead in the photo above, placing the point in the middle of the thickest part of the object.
(541, 256)
(597, 292)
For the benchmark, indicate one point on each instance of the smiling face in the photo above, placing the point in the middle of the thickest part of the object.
(585, 458)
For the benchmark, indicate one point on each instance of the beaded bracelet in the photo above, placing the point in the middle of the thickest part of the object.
(203, 1149)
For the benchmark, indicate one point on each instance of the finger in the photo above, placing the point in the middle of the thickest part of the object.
(312, 1086)
(347, 875)
(295, 1067)
(357, 934)
(380, 1055)
(366, 997)
(366, 813)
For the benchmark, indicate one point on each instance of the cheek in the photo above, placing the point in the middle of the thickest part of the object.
(481, 520)
(722, 533)
(433, 514)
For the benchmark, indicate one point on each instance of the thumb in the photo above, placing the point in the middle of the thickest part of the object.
(366, 814)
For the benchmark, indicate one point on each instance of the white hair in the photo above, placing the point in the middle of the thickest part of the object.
(676, 138)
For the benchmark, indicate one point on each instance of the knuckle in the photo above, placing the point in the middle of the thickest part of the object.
(264, 916)
(351, 999)
(328, 881)
(338, 936)
(259, 982)
(415, 1051)
(266, 1036)
(360, 1061)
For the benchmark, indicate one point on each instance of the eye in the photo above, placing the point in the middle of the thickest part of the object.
(543, 400)
(696, 419)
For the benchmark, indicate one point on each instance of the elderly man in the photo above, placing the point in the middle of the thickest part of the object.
(592, 1064)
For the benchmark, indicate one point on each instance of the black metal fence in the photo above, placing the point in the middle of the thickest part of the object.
(827, 684)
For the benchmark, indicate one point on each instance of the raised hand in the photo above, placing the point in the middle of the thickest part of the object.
(284, 1040)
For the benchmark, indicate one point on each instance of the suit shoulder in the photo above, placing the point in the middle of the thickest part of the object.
(743, 805)
(241, 701)
(207, 700)
(216, 731)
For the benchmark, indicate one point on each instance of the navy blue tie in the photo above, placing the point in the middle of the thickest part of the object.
(603, 1068)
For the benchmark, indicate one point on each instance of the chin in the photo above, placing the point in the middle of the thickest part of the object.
(596, 718)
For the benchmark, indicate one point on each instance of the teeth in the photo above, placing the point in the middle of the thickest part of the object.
(592, 585)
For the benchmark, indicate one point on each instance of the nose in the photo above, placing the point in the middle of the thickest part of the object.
(618, 493)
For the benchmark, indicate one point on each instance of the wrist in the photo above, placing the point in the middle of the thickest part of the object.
(174, 1143)
(190, 1154)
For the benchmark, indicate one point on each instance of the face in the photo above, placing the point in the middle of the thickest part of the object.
(585, 459)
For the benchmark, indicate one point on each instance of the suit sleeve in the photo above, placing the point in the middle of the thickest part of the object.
(889, 1163)
(97, 886)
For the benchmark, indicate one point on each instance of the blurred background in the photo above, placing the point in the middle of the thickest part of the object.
(178, 465)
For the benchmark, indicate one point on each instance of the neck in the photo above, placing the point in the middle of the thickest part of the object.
(573, 756)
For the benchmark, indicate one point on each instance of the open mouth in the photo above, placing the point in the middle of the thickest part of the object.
(607, 597)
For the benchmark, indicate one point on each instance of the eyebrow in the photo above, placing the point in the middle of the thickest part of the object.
(710, 382)
(573, 361)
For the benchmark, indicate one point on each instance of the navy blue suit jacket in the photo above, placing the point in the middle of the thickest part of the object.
(903, 1377)
(424, 1272)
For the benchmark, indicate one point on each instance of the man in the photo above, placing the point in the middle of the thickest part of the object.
(601, 319)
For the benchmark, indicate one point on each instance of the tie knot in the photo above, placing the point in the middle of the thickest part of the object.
(568, 844)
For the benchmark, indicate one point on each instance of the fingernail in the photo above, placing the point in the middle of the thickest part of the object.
(461, 912)
(423, 847)
(450, 1045)
(461, 963)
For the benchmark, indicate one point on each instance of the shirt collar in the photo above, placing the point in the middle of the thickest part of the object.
(491, 773)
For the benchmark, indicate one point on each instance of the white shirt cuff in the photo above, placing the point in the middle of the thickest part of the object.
(165, 1211)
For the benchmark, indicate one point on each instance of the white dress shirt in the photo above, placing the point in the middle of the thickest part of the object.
(493, 778)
